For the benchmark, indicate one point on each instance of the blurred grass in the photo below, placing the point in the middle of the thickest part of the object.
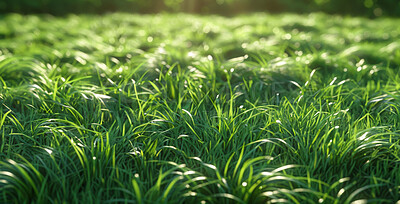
(177, 108)
(366, 8)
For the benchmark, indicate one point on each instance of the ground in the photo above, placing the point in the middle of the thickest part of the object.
(177, 108)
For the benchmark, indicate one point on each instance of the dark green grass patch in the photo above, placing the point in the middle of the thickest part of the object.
(180, 108)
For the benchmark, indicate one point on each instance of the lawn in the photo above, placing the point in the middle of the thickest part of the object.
(177, 108)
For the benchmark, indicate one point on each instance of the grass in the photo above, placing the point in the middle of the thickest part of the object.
(176, 108)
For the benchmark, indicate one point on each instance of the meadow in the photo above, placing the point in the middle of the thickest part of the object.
(178, 108)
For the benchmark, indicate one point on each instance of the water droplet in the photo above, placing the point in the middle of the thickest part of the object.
(287, 36)
(363, 136)
(192, 54)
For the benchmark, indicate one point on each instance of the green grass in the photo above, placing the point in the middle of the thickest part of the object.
(199, 109)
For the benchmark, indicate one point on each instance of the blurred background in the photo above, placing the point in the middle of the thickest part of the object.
(368, 8)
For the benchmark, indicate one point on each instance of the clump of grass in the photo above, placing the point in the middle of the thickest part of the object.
(250, 109)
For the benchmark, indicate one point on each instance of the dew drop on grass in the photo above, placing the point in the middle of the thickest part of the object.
(363, 136)
(244, 184)
(187, 112)
(277, 98)
(269, 193)
(136, 175)
(363, 201)
(119, 70)
(182, 136)
(115, 60)
(192, 54)
(211, 166)
(6, 173)
(371, 72)
(189, 173)
(197, 158)
(333, 81)
(361, 62)
(343, 81)
(295, 83)
(341, 191)
(84, 96)
(49, 151)
(300, 97)
(278, 121)
(281, 63)
(80, 60)
(224, 181)
(111, 81)
(330, 142)
(287, 36)
(161, 50)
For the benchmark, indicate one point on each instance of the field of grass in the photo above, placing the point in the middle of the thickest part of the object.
(177, 108)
